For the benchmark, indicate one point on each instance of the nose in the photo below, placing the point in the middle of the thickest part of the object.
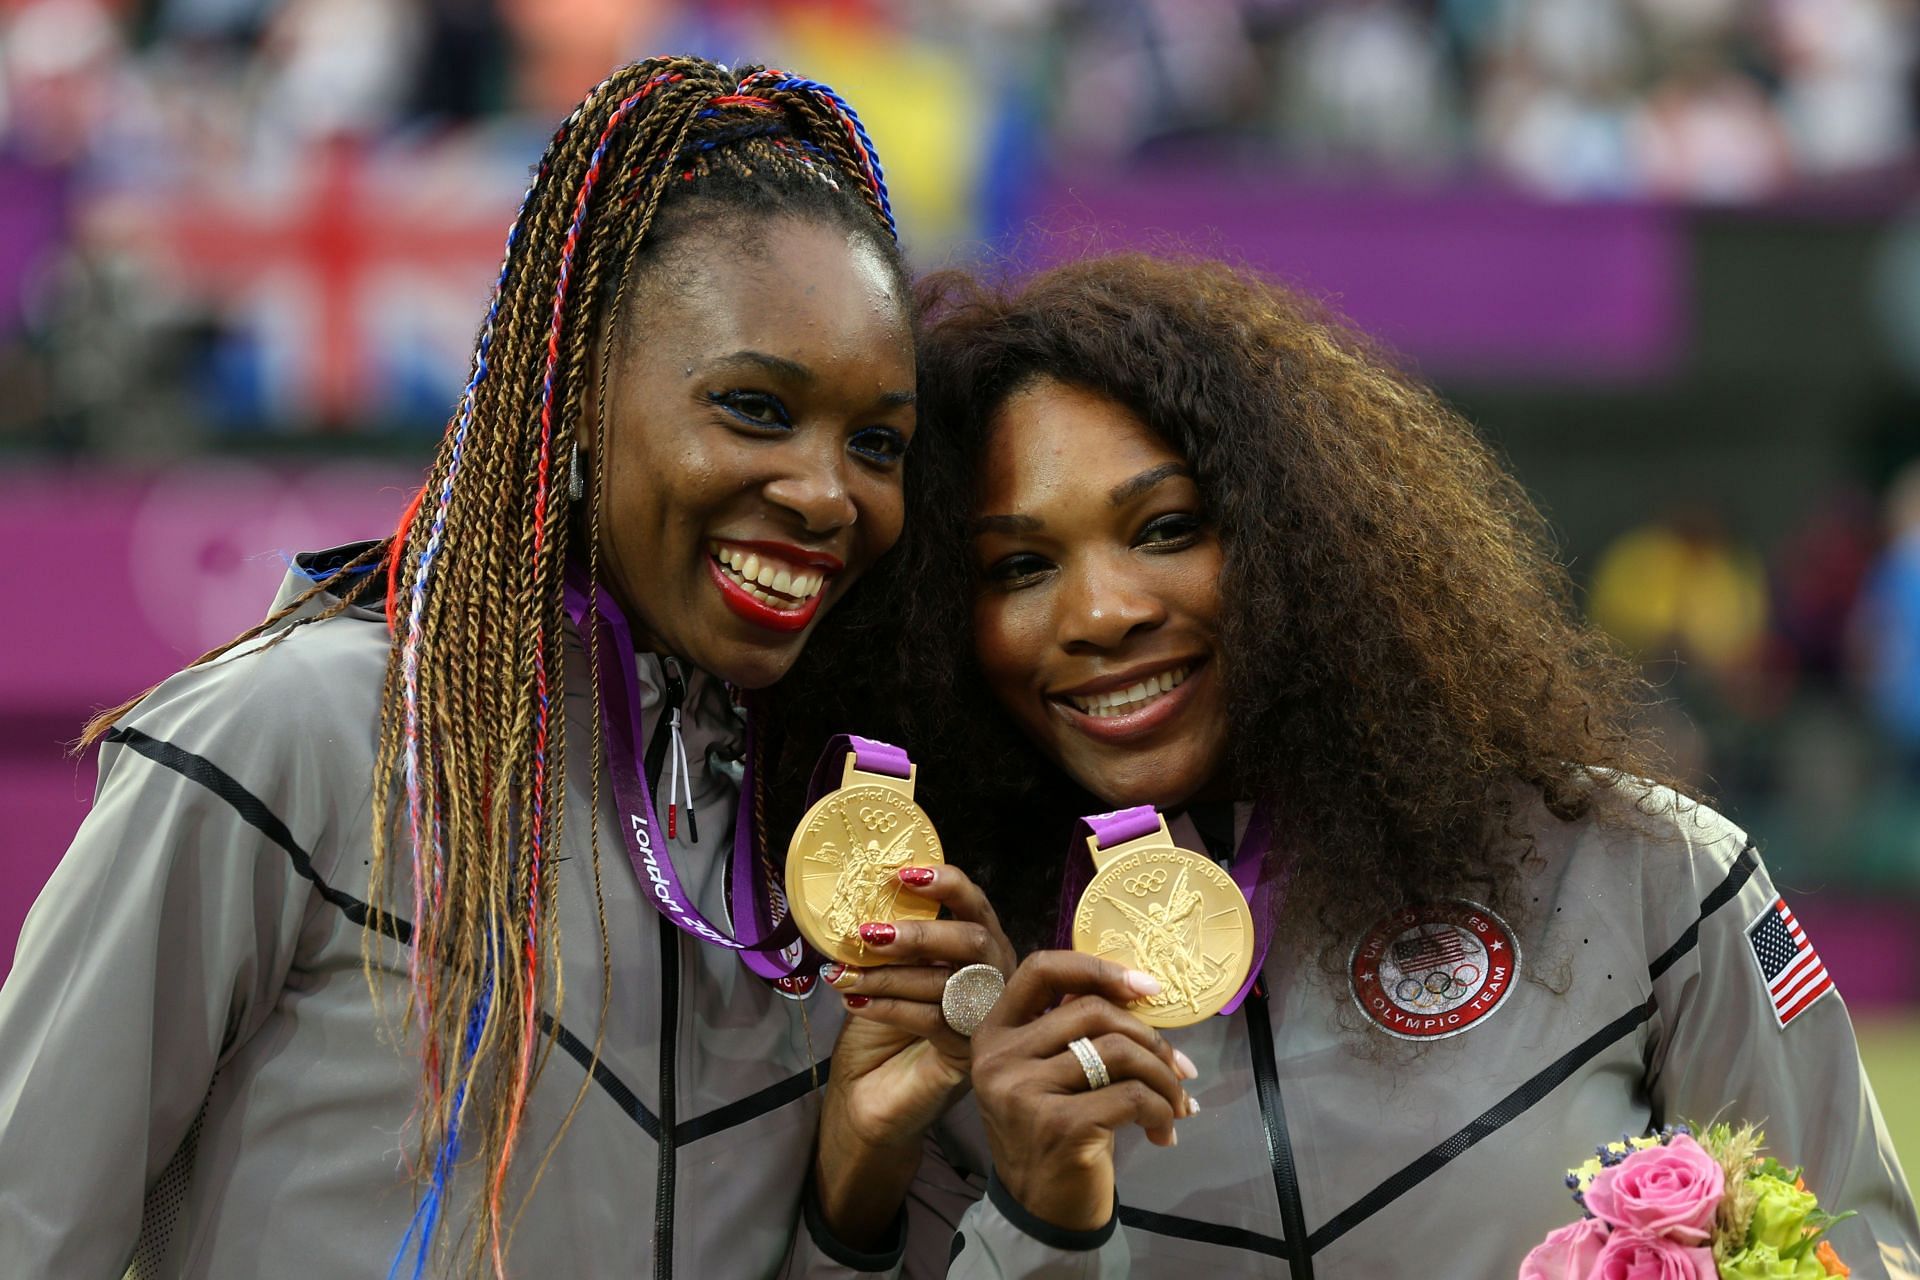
(1102, 604)
(812, 484)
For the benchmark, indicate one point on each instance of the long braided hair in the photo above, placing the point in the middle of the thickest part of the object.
(470, 772)
(477, 567)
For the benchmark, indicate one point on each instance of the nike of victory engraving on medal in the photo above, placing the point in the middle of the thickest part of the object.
(843, 867)
(1174, 914)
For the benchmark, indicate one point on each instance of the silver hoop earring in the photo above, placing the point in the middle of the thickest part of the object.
(576, 477)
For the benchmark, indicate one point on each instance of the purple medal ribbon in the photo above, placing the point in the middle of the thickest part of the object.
(869, 756)
(1257, 883)
(770, 946)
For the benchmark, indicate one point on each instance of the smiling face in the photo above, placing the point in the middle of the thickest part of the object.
(1096, 612)
(756, 424)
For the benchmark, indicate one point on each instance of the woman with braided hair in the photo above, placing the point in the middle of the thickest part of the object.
(291, 1003)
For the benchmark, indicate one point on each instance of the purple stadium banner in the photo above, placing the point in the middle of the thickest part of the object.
(117, 580)
(1464, 282)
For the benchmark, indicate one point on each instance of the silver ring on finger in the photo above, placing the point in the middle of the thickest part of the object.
(1091, 1063)
(969, 997)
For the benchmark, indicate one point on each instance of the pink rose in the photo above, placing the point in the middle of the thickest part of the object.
(1635, 1255)
(1668, 1191)
(1567, 1254)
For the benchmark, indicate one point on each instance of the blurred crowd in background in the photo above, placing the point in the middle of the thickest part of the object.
(266, 226)
(1707, 99)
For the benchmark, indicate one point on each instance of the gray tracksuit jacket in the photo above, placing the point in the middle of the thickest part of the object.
(195, 1082)
(1641, 999)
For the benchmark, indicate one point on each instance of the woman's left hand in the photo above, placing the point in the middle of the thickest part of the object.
(898, 1066)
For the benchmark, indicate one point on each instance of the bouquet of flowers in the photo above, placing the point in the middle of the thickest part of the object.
(1677, 1207)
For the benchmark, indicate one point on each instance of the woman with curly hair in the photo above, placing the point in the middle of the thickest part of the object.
(1216, 557)
(682, 442)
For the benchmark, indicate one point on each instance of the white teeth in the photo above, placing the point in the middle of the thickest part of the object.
(1116, 702)
(768, 581)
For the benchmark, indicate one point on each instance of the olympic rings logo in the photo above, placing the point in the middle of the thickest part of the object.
(1149, 881)
(1440, 987)
(880, 820)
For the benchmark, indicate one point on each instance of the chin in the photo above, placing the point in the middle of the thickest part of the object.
(1141, 780)
(747, 667)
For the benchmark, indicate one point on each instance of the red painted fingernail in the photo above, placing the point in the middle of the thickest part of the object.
(856, 1002)
(878, 935)
(832, 972)
(920, 877)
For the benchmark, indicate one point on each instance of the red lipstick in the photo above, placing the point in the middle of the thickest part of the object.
(761, 615)
(791, 554)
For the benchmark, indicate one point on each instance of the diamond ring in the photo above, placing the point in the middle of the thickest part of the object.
(1091, 1062)
(969, 997)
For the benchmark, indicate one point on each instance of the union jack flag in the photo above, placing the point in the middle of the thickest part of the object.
(1794, 976)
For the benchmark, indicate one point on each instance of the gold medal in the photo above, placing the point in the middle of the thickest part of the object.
(1172, 913)
(844, 860)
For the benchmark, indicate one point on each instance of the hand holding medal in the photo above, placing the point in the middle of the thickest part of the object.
(868, 883)
(1162, 937)
(866, 879)
(1166, 911)
(844, 862)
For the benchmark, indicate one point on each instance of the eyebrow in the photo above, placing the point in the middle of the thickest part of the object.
(794, 371)
(1121, 494)
(1127, 490)
(1003, 524)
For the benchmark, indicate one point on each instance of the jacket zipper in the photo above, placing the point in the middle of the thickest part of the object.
(1286, 1183)
(675, 690)
(669, 1050)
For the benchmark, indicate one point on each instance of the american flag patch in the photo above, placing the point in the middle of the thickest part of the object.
(1794, 975)
(1429, 951)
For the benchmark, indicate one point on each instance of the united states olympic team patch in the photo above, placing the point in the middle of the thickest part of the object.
(1433, 971)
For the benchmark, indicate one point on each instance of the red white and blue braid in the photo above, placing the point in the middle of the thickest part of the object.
(529, 1011)
(856, 131)
(434, 870)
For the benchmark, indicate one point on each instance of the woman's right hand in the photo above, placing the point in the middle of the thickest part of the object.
(1052, 1133)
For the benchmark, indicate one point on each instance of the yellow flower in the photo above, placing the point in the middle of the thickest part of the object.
(1763, 1262)
(1780, 1216)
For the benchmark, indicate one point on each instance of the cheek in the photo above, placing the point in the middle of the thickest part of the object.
(1195, 590)
(883, 514)
(1006, 642)
(648, 483)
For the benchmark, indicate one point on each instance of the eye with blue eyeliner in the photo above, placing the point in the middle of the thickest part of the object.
(880, 444)
(763, 411)
(755, 408)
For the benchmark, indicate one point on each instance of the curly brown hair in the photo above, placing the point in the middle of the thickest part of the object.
(1399, 643)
